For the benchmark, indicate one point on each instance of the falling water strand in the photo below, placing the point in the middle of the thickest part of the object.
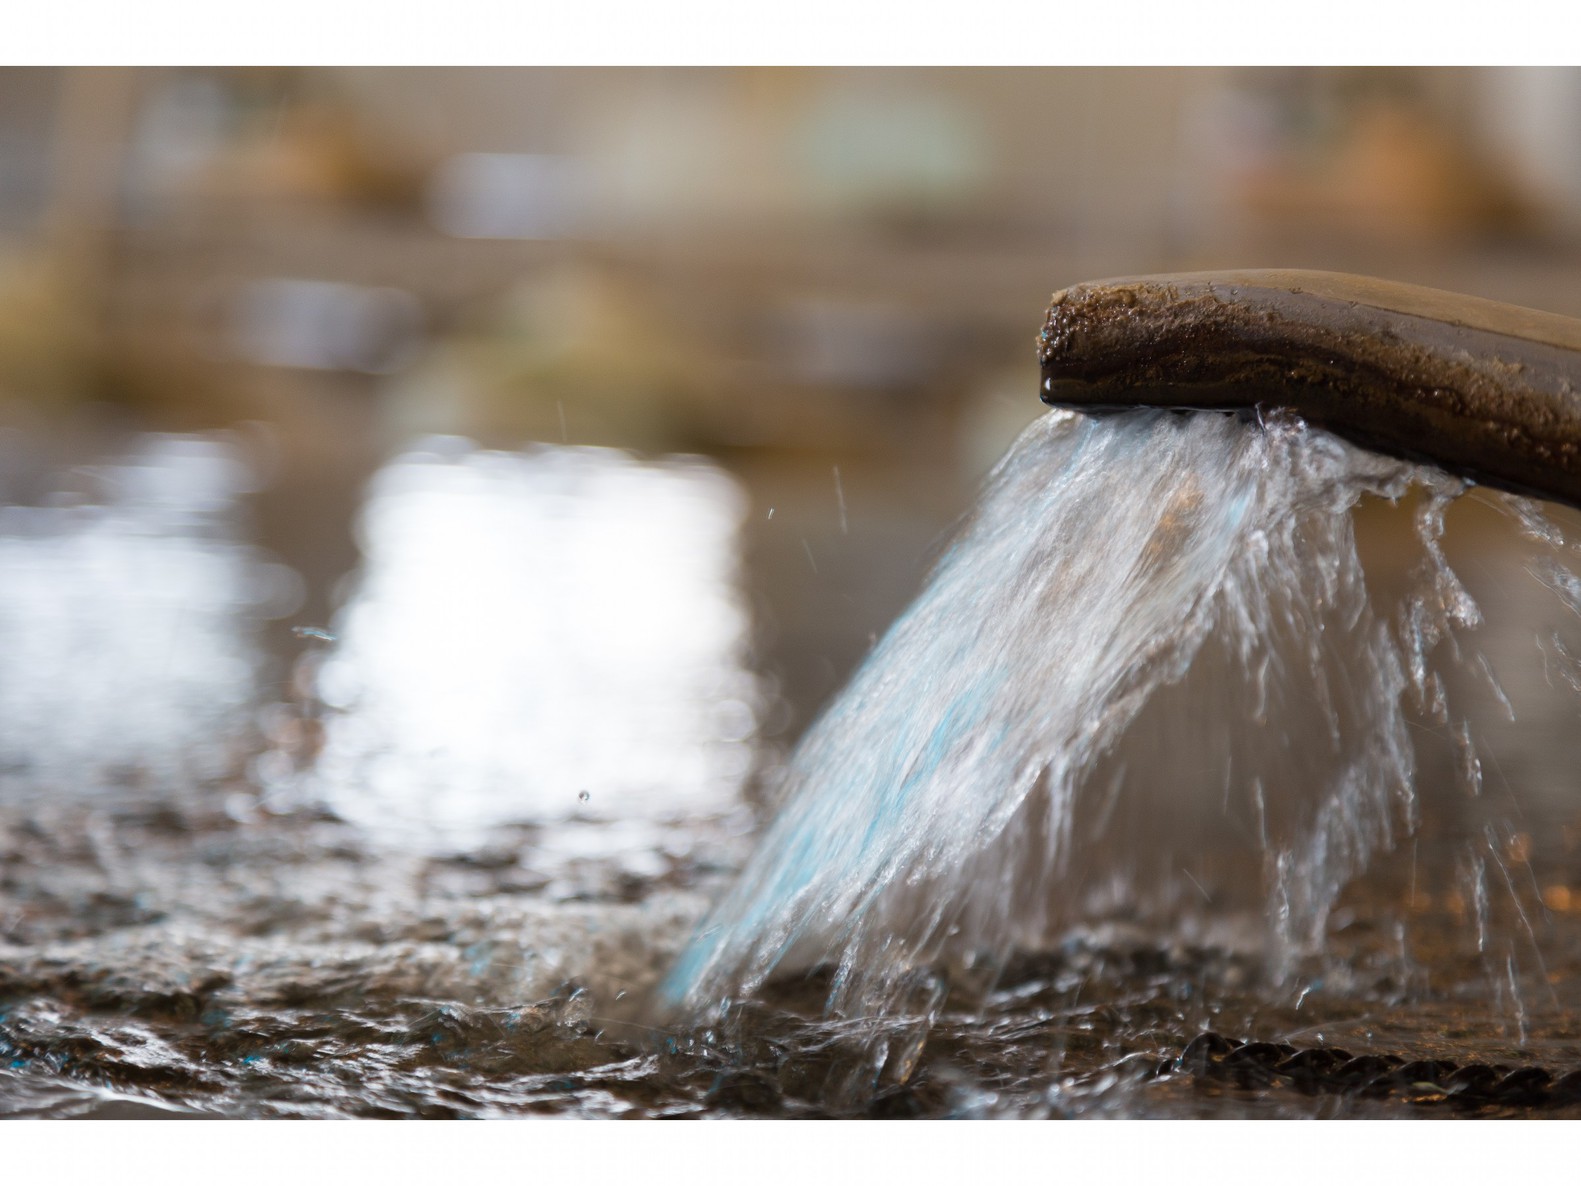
(1151, 624)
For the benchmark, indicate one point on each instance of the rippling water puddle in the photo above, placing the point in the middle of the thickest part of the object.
(1153, 804)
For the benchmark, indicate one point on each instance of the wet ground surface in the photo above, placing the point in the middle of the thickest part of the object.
(187, 962)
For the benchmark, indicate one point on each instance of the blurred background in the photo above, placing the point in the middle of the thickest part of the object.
(805, 299)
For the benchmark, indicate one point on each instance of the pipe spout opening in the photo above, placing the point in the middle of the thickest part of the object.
(1481, 389)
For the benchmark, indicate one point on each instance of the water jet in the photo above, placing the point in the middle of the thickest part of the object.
(1158, 625)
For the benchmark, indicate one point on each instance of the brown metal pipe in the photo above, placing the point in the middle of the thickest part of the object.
(1481, 389)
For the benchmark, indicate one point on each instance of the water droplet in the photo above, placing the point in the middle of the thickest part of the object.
(584, 796)
(317, 632)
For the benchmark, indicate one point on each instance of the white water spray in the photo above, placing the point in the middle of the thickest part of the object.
(1148, 679)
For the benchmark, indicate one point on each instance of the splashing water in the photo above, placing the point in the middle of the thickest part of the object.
(1148, 681)
(130, 609)
(531, 624)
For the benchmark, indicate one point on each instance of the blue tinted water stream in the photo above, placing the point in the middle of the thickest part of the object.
(1151, 680)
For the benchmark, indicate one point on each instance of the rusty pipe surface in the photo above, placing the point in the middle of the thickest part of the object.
(1482, 389)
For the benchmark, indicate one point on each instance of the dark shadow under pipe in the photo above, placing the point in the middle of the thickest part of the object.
(1482, 389)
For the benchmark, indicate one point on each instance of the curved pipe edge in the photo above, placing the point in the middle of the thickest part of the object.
(1482, 389)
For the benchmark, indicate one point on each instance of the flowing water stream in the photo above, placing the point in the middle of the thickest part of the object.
(1204, 777)
(1152, 686)
(942, 807)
